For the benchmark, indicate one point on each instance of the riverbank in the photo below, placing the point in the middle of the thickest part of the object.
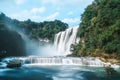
(110, 60)
(114, 62)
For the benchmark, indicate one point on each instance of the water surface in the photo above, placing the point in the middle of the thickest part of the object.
(56, 73)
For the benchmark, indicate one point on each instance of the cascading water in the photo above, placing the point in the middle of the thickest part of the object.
(64, 39)
(79, 61)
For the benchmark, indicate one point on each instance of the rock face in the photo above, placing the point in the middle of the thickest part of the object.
(110, 71)
(14, 63)
(11, 43)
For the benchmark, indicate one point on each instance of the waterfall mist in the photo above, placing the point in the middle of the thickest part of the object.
(61, 47)
(48, 50)
(33, 47)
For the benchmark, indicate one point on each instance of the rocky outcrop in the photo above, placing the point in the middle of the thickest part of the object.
(11, 43)
(14, 63)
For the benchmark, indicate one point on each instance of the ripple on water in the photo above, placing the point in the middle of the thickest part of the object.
(68, 73)
(55, 73)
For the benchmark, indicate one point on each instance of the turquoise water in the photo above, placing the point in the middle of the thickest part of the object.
(56, 73)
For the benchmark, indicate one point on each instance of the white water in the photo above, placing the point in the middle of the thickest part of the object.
(64, 39)
(79, 61)
(58, 61)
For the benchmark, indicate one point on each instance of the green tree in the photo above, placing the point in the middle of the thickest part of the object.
(100, 29)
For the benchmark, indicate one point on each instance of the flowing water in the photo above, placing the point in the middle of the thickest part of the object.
(64, 39)
(62, 44)
(55, 73)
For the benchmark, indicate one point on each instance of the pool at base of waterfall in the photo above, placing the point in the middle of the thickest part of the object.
(56, 73)
(56, 68)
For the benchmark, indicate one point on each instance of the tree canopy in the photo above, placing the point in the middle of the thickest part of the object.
(35, 30)
(99, 30)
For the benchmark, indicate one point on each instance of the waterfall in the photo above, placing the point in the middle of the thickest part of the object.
(79, 61)
(64, 39)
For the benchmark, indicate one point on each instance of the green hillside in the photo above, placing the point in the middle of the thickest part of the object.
(34, 30)
(99, 30)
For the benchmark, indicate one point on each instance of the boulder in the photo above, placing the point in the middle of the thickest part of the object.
(14, 63)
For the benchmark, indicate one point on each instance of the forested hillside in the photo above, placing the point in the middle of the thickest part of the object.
(36, 30)
(11, 41)
(99, 30)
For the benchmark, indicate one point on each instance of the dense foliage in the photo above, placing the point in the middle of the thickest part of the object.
(13, 44)
(43, 30)
(99, 30)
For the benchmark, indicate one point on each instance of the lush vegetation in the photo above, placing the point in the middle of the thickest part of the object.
(13, 44)
(35, 30)
(100, 30)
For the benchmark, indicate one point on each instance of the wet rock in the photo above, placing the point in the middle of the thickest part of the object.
(14, 63)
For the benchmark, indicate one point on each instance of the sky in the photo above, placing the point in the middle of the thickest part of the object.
(68, 11)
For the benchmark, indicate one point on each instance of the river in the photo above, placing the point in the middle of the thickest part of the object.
(56, 73)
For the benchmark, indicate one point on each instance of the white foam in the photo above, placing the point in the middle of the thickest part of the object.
(50, 61)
